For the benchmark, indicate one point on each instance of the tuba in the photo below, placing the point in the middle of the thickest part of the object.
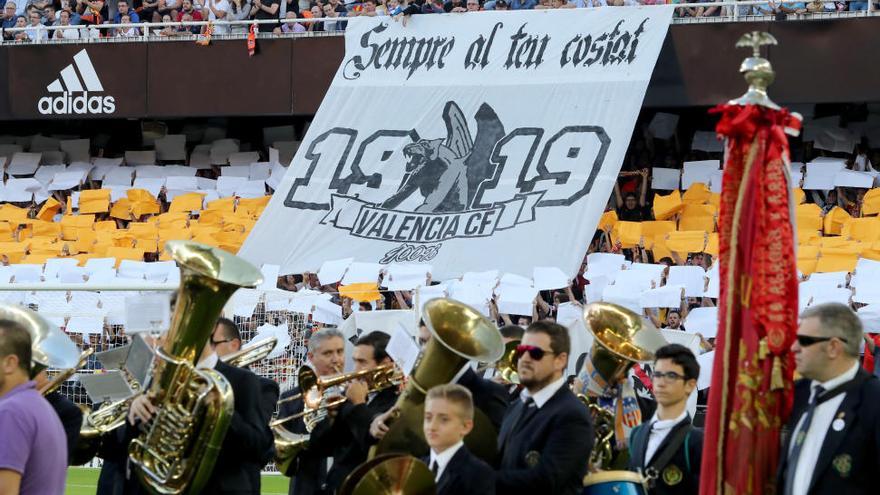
(251, 353)
(506, 366)
(459, 334)
(176, 453)
(620, 340)
(50, 346)
(390, 474)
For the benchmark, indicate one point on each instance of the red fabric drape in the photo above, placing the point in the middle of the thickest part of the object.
(751, 392)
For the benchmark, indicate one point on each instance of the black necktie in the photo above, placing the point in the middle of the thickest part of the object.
(434, 469)
(798, 439)
(529, 407)
(524, 412)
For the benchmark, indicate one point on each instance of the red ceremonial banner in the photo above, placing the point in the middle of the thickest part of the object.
(751, 392)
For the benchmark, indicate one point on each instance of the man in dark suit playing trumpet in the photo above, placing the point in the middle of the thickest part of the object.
(547, 436)
(309, 470)
(345, 434)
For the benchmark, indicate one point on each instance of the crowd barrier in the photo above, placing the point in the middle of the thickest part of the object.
(150, 30)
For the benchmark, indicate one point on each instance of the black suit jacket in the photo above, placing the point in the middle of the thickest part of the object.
(466, 474)
(249, 439)
(687, 458)
(489, 397)
(71, 418)
(347, 438)
(309, 469)
(549, 451)
(850, 458)
(269, 392)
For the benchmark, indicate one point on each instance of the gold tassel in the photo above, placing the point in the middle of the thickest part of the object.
(763, 349)
(776, 382)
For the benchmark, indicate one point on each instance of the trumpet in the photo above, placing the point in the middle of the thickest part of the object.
(316, 402)
(314, 389)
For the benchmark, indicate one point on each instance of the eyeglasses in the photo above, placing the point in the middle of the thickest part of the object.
(807, 340)
(534, 351)
(669, 375)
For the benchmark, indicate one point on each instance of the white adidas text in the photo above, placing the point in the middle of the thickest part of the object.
(67, 103)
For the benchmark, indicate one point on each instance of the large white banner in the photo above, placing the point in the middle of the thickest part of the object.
(471, 141)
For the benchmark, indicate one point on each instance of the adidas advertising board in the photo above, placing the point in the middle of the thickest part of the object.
(77, 91)
(467, 142)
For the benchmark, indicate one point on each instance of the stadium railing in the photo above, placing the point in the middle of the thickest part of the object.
(729, 13)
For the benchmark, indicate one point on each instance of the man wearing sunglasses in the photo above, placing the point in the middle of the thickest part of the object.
(547, 434)
(668, 449)
(833, 440)
(226, 338)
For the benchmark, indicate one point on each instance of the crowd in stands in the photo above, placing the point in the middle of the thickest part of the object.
(654, 249)
(87, 14)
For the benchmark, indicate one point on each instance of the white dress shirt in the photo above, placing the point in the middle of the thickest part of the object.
(443, 459)
(822, 419)
(209, 362)
(542, 396)
(659, 429)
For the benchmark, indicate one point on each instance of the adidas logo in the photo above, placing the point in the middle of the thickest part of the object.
(74, 85)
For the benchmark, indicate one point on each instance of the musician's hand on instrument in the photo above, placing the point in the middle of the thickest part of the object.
(357, 391)
(378, 428)
(333, 411)
(141, 409)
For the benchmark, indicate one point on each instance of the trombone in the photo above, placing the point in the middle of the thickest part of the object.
(64, 375)
(251, 353)
(314, 389)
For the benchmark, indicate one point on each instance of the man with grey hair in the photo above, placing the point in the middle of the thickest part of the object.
(326, 356)
(834, 440)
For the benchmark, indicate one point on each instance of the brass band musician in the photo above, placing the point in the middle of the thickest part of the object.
(547, 434)
(345, 434)
(326, 354)
(248, 440)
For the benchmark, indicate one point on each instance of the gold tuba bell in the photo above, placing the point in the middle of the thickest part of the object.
(620, 339)
(459, 334)
(176, 453)
(50, 346)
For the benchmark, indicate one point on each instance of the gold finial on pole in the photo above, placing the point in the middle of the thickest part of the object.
(757, 70)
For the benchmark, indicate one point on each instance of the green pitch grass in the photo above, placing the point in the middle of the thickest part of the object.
(84, 481)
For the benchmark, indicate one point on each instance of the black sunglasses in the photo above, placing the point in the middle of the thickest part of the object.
(671, 375)
(534, 351)
(807, 341)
